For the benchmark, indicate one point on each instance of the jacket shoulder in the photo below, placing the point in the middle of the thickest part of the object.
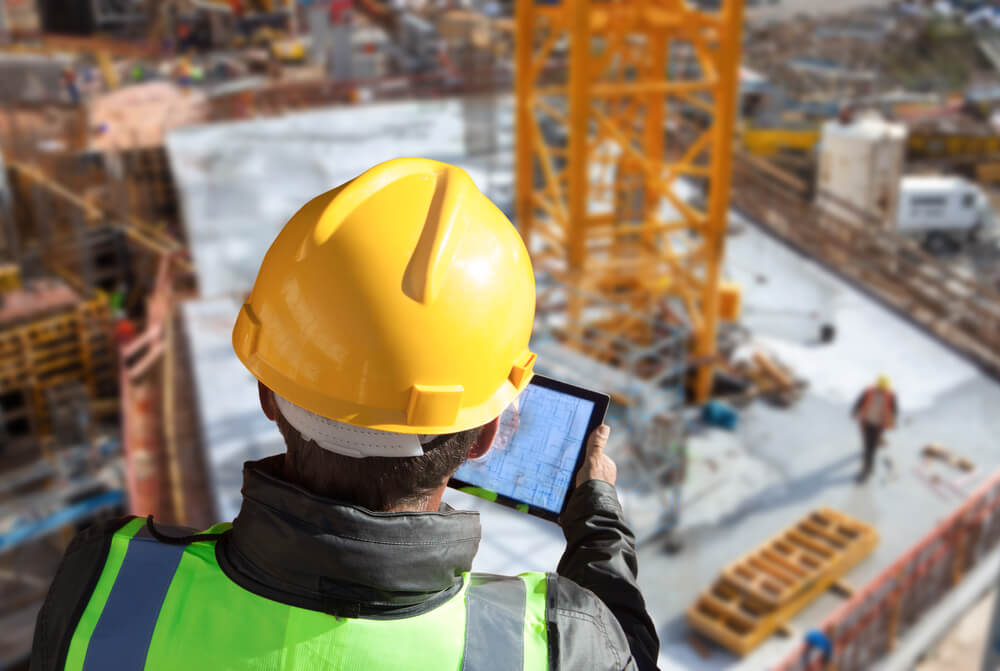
(583, 632)
(78, 573)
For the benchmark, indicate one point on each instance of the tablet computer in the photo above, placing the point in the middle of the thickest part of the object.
(539, 447)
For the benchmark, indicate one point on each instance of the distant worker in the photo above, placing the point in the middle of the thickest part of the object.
(875, 411)
(388, 330)
(183, 72)
(70, 82)
(817, 642)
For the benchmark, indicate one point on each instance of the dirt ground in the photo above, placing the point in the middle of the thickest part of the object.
(962, 647)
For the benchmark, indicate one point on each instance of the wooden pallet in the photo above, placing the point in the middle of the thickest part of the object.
(759, 593)
(777, 571)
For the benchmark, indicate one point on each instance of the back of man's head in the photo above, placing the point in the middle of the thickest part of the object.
(376, 483)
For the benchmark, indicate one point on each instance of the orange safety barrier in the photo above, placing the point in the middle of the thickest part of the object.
(865, 628)
(140, 393)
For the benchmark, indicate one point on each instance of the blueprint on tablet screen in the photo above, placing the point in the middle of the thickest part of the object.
(536, 448)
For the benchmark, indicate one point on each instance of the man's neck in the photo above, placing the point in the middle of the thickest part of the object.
(430, 503)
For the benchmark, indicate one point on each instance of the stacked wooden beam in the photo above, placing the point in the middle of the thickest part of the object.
(760, 592)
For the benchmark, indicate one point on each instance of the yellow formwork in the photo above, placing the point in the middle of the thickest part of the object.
(73, 346)
(765, 588)
(10, 277)
(771, 141)
(601, 86)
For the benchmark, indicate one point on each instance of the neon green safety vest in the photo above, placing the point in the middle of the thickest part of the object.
(163, 606)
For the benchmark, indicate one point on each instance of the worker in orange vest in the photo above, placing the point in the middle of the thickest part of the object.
(875, 410)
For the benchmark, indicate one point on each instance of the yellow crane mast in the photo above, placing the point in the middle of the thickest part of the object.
(625, 110)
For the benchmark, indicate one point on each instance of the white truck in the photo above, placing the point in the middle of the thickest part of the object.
(943, 212)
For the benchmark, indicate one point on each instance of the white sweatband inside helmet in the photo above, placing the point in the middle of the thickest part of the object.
(351, 441)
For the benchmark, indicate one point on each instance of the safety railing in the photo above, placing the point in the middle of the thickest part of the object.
(163, 454)
(140, 382)
(865, 628)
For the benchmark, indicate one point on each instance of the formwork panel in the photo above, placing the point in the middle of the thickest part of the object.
(72, 346)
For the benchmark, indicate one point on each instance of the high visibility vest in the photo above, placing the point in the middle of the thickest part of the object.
(883, 413)
(159, 606)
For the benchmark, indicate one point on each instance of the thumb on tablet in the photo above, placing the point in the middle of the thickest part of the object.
(596, 464)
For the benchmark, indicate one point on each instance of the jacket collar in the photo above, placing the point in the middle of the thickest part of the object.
(297, 542)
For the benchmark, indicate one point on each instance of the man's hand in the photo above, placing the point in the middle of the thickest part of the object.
(597, 465)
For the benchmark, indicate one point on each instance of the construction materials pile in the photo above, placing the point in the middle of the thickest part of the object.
(864, 52)
(771, 379)
(139, 116)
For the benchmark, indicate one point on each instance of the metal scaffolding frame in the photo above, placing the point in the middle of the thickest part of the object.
(597, 195)
(646, 379)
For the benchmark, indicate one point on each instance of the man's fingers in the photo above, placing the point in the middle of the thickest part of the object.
(597, 465)
(598, 439)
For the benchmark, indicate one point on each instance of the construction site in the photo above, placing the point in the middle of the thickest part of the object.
(740, 215)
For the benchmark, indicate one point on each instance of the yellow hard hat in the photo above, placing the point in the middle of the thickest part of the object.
(401, 301)
(883, 382)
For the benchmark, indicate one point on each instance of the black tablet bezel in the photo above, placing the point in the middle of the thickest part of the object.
(597, 415)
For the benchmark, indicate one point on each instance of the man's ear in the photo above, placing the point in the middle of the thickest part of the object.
(485, 440)
(267, 403)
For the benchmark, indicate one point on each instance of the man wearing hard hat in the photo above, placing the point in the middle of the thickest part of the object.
(875, 411)
(388, 329)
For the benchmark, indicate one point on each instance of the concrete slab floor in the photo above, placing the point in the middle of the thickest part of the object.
(962, 647)
(240, 181)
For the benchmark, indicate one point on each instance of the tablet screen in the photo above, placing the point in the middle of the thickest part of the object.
(535, 453)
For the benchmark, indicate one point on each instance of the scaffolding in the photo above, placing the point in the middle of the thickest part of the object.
(645, 380)
(93, 221)
(50, 362)
(164, 456)
(600, 200)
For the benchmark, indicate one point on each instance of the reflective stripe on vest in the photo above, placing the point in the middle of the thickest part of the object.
(158, 606)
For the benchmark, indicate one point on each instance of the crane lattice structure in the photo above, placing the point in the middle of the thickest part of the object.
(625, 112)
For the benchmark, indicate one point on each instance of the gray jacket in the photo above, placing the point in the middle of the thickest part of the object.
(297, 548)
